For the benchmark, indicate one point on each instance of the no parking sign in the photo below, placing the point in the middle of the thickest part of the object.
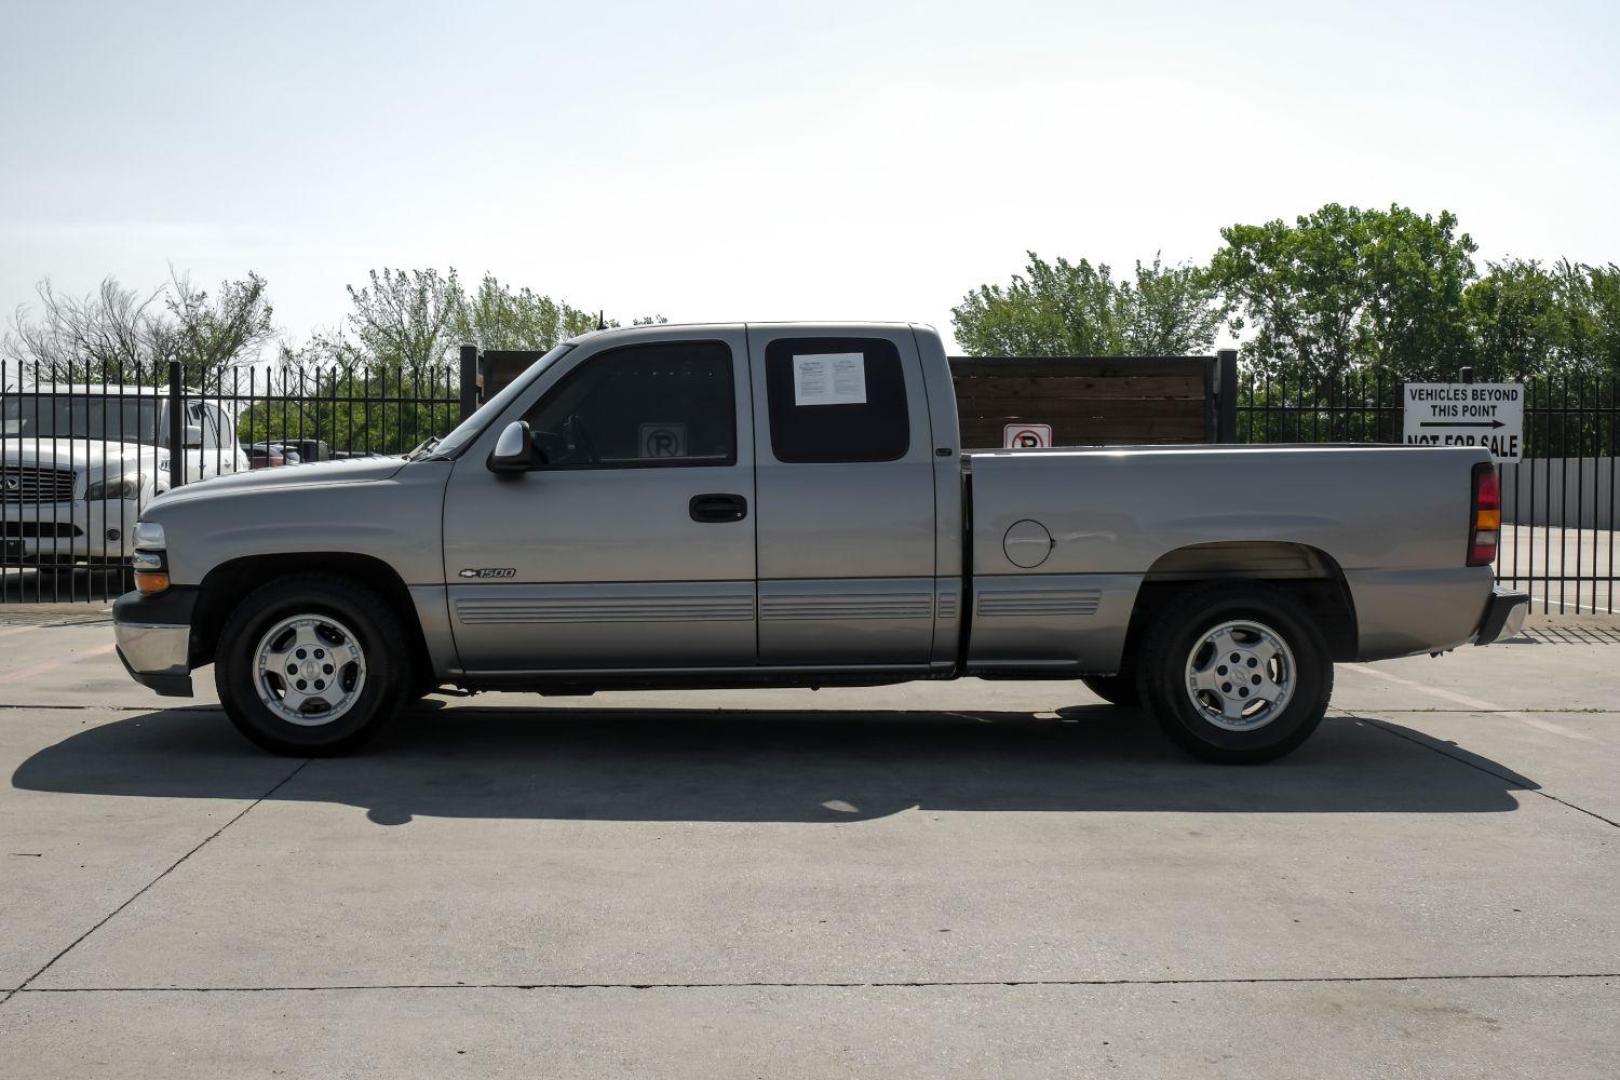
(1025, 436)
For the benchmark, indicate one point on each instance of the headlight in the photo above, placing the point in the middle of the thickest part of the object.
(150, 565)
(149, 536)
(127, 486)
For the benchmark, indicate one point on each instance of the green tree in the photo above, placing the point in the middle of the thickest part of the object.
(1171, 311)
(1590, 307)
(1058, 309)
(1344, 288)
(379, 409)
(210, 334)
(500, 317)
(415, 319)
(1520, 322)
(1079, 309)
(407, 319)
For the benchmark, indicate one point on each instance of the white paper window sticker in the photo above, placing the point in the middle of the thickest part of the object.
(829, 379)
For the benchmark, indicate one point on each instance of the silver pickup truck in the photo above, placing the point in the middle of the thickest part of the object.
(790, 505)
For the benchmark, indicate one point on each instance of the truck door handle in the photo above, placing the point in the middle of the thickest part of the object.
(718, 508)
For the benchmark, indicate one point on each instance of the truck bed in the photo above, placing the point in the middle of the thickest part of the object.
(1390, 522)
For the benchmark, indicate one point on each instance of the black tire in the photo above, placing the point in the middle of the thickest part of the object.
(1118, 689)
(377, 633)
(1168, 650)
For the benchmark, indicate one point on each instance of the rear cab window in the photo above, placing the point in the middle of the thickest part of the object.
(836, 400)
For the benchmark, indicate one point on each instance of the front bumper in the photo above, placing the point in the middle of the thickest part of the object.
(154, 638)
(63, 533)
(1504, 616)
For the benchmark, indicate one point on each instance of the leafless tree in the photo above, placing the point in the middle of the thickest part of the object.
(116, 334)
(108, 334)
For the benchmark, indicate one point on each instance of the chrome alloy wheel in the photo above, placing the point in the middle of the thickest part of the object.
(309, 669)
(1241, 675)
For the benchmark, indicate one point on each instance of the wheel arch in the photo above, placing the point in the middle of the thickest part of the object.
(1308, 574)
(225, 585)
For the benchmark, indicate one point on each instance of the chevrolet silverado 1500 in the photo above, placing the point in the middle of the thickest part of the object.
(789, 504)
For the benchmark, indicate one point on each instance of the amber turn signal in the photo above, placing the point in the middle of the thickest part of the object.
(151, 581)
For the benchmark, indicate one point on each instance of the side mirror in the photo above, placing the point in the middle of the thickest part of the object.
(514, 451)
(193, 436)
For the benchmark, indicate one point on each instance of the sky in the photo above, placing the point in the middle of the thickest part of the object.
(734, 161)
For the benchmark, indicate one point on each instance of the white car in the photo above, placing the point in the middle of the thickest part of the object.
(78, 464)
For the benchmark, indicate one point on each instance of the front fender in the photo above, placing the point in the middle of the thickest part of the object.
(395, 517)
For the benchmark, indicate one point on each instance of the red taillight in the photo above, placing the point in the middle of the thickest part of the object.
(1485, 517)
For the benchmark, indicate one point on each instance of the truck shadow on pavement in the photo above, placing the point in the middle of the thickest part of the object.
(759, 765)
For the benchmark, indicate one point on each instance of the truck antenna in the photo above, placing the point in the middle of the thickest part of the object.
(601, 322)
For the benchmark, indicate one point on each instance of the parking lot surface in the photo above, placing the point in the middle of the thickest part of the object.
(966, 879)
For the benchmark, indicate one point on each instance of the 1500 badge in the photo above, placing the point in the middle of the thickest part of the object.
(490, 572)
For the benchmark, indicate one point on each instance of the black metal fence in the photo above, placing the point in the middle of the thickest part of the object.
(1558, 512)
(82, 451)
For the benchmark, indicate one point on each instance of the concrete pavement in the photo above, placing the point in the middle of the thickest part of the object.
(929, 880)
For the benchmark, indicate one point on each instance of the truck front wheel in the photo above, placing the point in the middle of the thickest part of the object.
(1236, 673)
(308, 665)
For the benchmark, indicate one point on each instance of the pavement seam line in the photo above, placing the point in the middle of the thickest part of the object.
(171, 868)
(116, 708)
(1381, 726)
(830, 985)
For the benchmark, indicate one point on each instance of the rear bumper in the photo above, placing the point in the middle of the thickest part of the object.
(1504, 616)
(1412, 612)
(154, 639)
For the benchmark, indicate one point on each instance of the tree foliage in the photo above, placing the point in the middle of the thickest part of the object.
(387, 377)
(1343, 288)
(1079, 309)
(1519, 319)
(357, 409)
(414, 318)
(117, 334)
(1590, 296)
(90, 338)
(1171, 311)
(497, 316)
(210, 334)
(406, 318)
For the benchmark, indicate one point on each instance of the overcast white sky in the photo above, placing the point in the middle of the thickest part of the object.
(774, 161)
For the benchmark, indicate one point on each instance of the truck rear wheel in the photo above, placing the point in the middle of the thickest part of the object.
(1236, 673)
(1118, 689)
(310, 666)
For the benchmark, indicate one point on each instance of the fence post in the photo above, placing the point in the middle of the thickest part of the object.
(1226, 395)
(469, 380)
(177, 426)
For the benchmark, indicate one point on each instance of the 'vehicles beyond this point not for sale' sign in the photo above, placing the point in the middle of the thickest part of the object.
(1467, 414)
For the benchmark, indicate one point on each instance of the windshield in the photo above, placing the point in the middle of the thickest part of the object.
(80, 416)
(468, 430)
